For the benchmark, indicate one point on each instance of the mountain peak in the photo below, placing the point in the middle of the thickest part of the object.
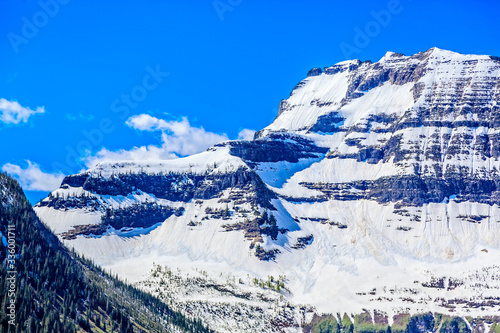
(437, 52)
(433, 52)
(341, 88)
(391, 55)
(370, 169)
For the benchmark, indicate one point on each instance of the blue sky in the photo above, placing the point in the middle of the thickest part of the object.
(84, 81)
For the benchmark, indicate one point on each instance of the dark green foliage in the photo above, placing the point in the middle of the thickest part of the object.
(72, 202)
(420, 323)
(218, 213)
(495, 328)
(402, 323)
(270, 226)
(226, 213)
(56, 291)
(326, 325)
(347, 325)
(447, 324)
(363, 323)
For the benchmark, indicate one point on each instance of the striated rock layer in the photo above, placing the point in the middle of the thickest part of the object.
(376, 187)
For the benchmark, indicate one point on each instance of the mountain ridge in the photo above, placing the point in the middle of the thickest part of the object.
(52, 289)
(371, 173)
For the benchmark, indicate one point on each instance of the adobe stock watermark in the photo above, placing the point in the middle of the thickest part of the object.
(10, 305)
(364, 36)
(93, 138)
(223, 6)
(31, 27)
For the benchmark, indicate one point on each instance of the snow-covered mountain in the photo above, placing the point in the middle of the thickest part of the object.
(377, 187)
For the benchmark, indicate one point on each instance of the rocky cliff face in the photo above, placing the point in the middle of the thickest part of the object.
(386, 169)
(432, 118)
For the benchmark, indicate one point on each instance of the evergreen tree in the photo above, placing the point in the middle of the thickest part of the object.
(57, 291)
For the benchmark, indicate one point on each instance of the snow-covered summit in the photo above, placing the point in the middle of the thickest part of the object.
(378, 176)
(393, 85)
(214, 160)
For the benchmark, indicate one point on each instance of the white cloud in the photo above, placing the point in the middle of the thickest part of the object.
(144, 153)
(178, 138)
(32, 178)
(14, 113)
(145, 122)
(246, 134)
